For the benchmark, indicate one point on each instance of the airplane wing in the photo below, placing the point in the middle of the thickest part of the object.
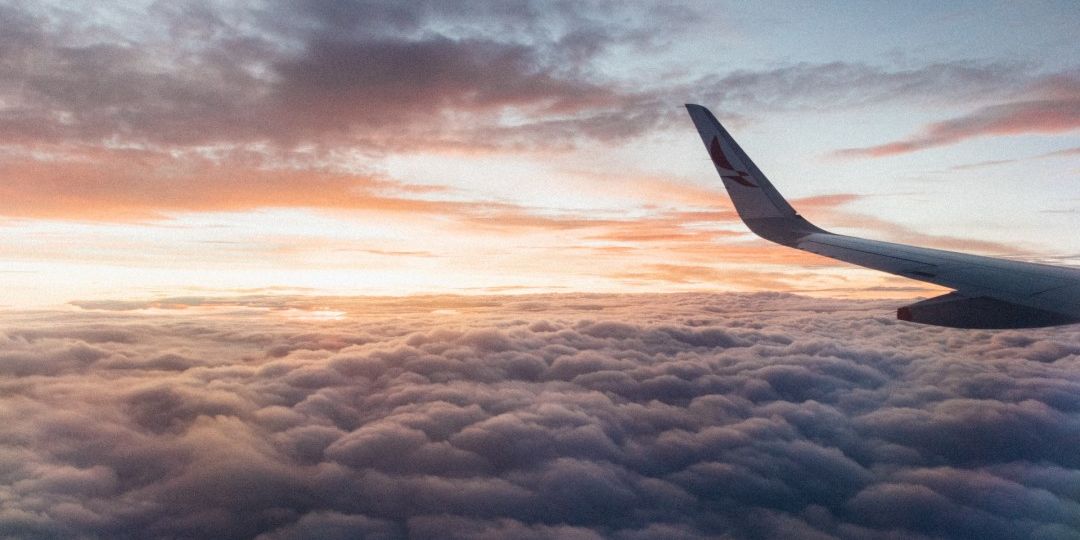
(988, 292)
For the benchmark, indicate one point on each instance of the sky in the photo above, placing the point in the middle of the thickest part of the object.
(157, 149)
(327, 269)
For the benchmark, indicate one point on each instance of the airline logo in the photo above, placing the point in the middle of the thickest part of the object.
(727, 170)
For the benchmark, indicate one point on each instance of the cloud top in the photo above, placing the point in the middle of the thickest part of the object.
(581, 416)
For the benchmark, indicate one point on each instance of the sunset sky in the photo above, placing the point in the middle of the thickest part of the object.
(171, 148)
(452, 269)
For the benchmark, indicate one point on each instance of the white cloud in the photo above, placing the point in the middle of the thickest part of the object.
(651, 416)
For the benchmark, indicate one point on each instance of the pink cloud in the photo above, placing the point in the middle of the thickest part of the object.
(1044, 116)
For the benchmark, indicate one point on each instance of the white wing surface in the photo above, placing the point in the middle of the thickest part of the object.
(988, 292)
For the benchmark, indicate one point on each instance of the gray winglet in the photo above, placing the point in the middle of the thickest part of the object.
(759, 204)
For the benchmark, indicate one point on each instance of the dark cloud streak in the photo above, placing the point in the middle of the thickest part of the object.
(387, 76)
(346, 79)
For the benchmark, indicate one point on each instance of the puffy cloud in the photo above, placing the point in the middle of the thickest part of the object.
(570, 416)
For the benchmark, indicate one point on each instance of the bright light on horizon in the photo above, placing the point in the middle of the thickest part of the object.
(175, 160)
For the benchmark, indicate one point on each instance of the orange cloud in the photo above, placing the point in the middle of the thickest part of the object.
(693, 238)
(754, 251)
(843, 282)
(124, 185)
(825, 201)
(655, 228)
(1037, 116)
(684, 273)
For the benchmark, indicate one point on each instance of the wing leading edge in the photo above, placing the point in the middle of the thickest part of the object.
(988, 292)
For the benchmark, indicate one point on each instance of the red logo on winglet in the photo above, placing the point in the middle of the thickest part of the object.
(721, 162)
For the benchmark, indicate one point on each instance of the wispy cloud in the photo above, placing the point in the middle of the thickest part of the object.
(1056, 111)
(994, 162)
(848, 85)
(119, 185)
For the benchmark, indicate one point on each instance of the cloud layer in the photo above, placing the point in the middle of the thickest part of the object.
(581, 416)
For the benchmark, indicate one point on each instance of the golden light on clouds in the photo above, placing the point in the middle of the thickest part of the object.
(225, 149)
(286, 269)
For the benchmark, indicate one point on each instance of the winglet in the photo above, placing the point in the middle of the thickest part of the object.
(758, 203)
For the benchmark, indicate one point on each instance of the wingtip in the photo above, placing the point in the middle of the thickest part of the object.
(701, 111)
